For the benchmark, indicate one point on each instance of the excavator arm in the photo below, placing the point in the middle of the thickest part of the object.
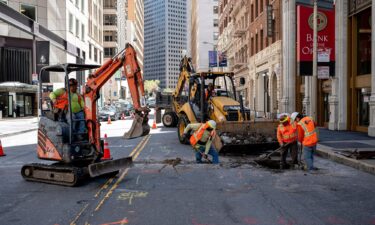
(128, 60)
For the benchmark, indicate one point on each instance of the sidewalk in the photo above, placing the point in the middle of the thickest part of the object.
(339, 145)
(13, 126)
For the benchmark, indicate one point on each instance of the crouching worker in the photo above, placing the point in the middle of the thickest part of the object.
(201, 140)
(287, 138)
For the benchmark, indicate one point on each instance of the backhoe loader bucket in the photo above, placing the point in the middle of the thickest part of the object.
(110, 166)
(139, 127)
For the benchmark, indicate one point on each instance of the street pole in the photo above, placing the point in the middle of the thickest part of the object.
(313, 83)
(217, 58)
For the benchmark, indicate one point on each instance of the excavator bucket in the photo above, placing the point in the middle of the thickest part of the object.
(139, 127)
(110, 166)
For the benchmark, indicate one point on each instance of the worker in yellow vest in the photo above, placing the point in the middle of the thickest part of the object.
(201, 140)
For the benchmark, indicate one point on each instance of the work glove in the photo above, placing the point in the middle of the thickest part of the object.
(204, 155)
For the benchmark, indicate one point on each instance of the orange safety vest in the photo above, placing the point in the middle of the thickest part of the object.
(197, 135)
(310, 136)
(287, 134)
(62, 101)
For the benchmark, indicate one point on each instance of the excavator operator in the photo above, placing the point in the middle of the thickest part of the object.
(210, 91)
(60, 102)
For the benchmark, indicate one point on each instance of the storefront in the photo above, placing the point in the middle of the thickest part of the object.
(17, 99)
(359, 64)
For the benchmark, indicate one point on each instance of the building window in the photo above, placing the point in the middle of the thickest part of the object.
(90, 51)
(70, 23)
(216, 22)
(252, 13)
(256, 43)
(261, 39)
(29, 11)
(83, 5)
(109, 52)
(364, 42)
(110, 20)
(110, 4)
(216, 36)
(256, 8)
(77, 3)
(261, 6)
(95, 54)
(77, 28)
(216, 9)
(83, 32)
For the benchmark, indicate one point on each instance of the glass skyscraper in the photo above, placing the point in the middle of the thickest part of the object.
(165, 31)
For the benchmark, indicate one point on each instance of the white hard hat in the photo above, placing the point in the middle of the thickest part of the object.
(212, 124)
(294, 115)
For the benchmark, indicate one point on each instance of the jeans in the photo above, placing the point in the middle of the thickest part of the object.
(308, 153)
(79, 126)
(212, 152)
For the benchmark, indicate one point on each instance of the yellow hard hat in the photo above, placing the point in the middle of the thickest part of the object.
(212, 124)
(284, 118)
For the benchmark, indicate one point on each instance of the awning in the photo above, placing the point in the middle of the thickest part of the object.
(18, 87)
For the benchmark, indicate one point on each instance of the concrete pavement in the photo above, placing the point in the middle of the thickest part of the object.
(14, 126)
(338, 145)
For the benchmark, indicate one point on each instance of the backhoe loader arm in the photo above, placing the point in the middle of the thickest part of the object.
(185, 69)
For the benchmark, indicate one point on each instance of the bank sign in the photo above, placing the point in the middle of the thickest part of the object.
(326, 39)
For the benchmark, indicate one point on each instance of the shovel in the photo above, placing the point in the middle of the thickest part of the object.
(265, 159)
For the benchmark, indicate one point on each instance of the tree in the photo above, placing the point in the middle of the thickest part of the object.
(151, 86)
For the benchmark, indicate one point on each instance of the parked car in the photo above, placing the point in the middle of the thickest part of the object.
(124, 107)
(111, 111)
(151, 102)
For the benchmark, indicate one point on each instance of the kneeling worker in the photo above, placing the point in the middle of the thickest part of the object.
(287, 138)
(201, 140)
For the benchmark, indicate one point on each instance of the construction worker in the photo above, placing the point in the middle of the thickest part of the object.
(60, 102)
(307, 135)
(210, 91)
(201, 140)
(287, 138)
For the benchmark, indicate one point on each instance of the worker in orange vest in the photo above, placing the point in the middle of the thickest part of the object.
(201, 140)
(287, 138)
(307, 135)
(60, 102)
(210, 91)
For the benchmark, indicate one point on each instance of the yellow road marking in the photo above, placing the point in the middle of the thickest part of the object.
(115, 185)
(141, 144)
(79, 214)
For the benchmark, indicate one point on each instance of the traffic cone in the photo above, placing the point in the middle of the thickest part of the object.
(109, 120)
(107, 152)
(154, 123)
(123, 116)
(1, 150)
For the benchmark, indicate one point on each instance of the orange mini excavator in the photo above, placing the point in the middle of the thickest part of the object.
(81, 158)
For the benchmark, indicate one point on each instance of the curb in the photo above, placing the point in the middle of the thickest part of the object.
(331, 155)
(18, 132)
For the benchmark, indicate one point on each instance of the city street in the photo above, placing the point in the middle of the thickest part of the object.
(236, 192)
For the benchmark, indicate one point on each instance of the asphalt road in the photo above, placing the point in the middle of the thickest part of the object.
(236, 192)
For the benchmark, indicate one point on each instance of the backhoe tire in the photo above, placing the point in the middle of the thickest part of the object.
(169, 119)
(183, 121)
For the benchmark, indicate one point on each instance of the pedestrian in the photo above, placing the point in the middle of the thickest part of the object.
(60, 102)
(201, 140)
(287, 138)
(308, 137)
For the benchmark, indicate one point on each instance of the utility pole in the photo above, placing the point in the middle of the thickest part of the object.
(313, 83)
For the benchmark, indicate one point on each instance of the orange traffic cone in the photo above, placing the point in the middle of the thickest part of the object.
(1, 150)
(154, 123)
(107, 152)
(109, 120)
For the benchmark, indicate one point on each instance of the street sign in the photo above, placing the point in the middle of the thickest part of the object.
(323, 72)
(323, 56)
(222, 59)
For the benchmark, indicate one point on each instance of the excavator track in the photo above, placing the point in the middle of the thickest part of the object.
(58, 174)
